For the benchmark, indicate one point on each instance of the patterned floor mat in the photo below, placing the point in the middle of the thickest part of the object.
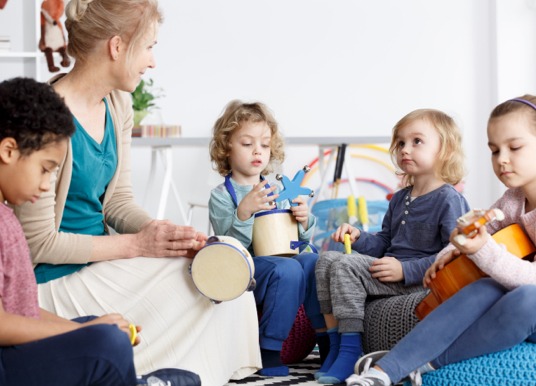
(299, 374)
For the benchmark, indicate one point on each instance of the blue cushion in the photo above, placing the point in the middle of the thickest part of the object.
(516, 366)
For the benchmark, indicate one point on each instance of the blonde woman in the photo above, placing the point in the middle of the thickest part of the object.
(141, 272)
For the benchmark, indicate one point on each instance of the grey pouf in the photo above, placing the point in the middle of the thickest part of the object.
(387, 320)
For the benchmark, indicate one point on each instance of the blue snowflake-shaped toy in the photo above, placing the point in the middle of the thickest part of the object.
(292, 189)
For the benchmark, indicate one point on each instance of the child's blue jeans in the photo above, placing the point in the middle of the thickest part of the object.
(283, 284)
(482, 318)
(95, 355)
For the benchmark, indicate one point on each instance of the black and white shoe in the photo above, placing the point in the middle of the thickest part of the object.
(367, 361)
(169, 377)
(363, 380)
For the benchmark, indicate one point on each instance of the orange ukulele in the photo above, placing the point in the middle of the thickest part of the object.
(462, 270)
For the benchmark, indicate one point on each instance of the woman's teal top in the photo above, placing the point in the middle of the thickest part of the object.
(94, 165)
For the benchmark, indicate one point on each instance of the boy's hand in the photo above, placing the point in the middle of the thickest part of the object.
(338, 235)
(200, 242)
(256, 200)
(301, 212)
(387, 269)
(437, 265)
(116, 319)
(471, 244)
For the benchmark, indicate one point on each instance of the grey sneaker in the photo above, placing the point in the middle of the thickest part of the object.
(363, 380)
(169, 377)
(415, 378)
(367, 361)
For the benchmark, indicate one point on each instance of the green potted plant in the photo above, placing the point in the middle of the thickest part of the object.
(143, 100)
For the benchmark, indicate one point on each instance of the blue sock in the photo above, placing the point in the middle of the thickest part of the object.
(280, 371)
(271, 364)
(322, 341)
(334, 342)
(349, 352)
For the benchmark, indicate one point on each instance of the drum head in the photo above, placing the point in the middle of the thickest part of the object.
(221, 271)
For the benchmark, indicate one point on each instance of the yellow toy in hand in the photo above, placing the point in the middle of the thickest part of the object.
(347, 244)
(133, 333)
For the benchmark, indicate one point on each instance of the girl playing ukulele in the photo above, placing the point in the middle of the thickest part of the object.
(493, 313)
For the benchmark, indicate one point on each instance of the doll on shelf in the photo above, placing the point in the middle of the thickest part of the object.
(52, 35)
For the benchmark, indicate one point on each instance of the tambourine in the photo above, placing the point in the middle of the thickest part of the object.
(223, 269)
(273, 232)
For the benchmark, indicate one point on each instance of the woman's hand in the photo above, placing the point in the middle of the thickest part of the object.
(256, 200)
(430, 273)
(301, 212)
(345, 228)
(162, 238)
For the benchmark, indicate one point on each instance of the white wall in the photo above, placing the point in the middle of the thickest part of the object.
(336, 68)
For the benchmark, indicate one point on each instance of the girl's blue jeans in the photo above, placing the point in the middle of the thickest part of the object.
(482, 318)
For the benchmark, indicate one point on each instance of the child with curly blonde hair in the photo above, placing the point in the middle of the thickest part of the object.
(245, 146)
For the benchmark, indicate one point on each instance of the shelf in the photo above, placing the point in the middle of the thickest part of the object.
(28, 48)
(19, 54)
(311, 141)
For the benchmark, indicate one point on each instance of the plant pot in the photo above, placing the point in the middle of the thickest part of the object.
(138, 116)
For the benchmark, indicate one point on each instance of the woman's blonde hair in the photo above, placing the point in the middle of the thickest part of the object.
(450, 159)
(525, 103)
(91, 21)
(235, 114)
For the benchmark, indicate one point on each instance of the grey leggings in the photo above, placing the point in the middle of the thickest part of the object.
(343, 284)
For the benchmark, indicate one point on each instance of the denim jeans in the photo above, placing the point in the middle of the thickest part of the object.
(283, 284)
(481, 318)
(95, 355)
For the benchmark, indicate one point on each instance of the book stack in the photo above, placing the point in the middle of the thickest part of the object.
(5, 43)
(158, 131)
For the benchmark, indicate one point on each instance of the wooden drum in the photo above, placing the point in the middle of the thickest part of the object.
(223, 269)
(273, 231)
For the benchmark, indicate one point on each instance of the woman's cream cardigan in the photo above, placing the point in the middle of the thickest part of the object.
(41, 220)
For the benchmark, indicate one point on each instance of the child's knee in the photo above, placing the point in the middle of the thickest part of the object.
(358, 267)
(523, 302)
(109, 340)
(329, 257)
(325, 260)
(289, 267)
(307, 261)
(487, 285)
(289, 273)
